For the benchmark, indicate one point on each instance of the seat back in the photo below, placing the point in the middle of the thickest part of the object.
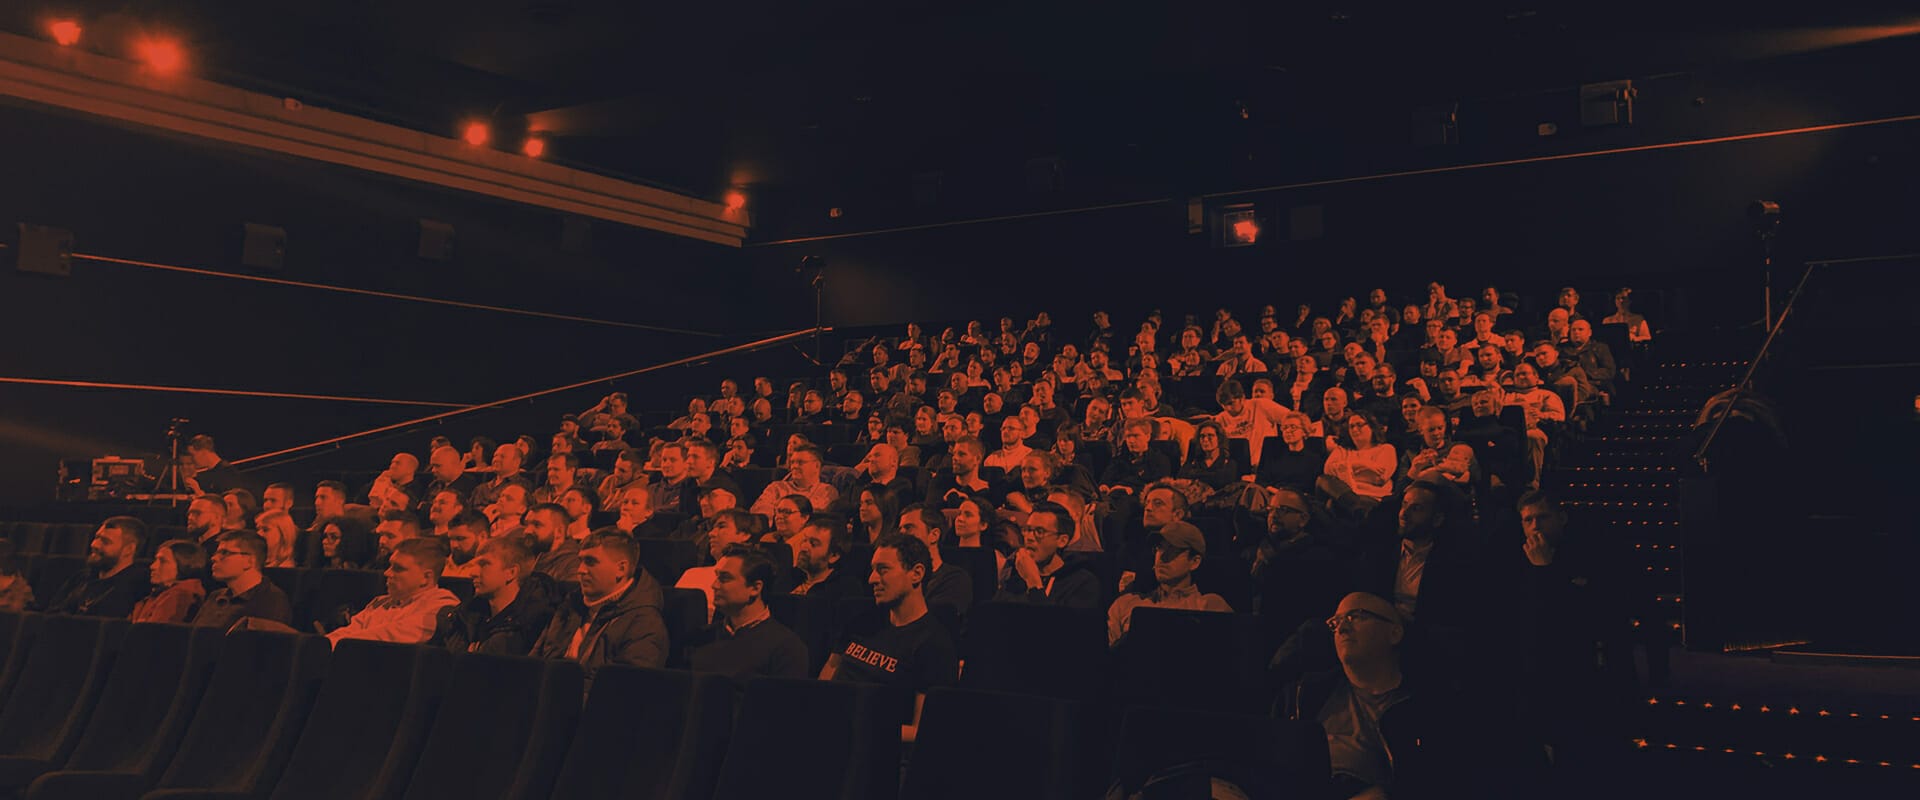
(850, 748)
(1273, 757)
(981, 566)
(502, 729)
(335, 595)
(17, 634)
(649, 734)
(57, 686)
(148, 700)
(51, 572)
(811, 618)
(960, 731)
(263, 688)
(368, 722)
(1051, 651)
(665, 559)
(29, 538)
(685, 614)
(1197, 651)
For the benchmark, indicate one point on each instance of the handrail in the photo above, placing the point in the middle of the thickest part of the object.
(1746, 380)
(739, 348)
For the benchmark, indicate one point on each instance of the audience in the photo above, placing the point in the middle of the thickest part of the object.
(113, 581)
(244, 593)
(177, 589)
(1177, 553)
(505, 615)
(614, 617)
(745, 641)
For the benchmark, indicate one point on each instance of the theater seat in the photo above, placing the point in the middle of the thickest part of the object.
(52, 572)
(502, 730)
(368, 723)
(685, 614)
(811, 618)
(801, 740)
(649, 734)
(262, 691)
(981, 566)
(961, 732)
(1045, 650)
(142, 712)
(665, 559)
(335, 595)
(71, 539)
(57, 686)
(1199, 652)
(29, 538)
(1266, 757)
(17, 635)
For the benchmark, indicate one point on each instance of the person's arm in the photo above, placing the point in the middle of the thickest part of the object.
(769, 497)
(1118, 615)
(1552, 409)
(832, 667)
(645, 642)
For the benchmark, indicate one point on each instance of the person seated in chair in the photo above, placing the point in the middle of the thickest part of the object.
(176, 574)
(906, 647)
(506, 614)
(1178, 549)
(1038, 573)
(745, 640)
(244, 590)
(614, 617)
(112, 581)
(410, 610)
(948, 585)
(817, 552)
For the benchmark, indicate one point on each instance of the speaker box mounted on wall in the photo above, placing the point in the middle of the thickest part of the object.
(436, 240)
(265, 247)
(45, 250)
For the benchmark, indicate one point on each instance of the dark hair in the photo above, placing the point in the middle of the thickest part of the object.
(406, 519)
(334, 485)
(802, 503)
(889, 504)
(430, 552)
(189, 555)
(1219, 435)
(586, 493)
(913, 553)
(485, 444)
(1452, 503)
(744, 521)
(1062, 518)
(253, 543)
(1540, 497)
(1344, 436)
(130, 528)
(248, 505)
(471, 520)
(513, 550)
(556, 509)
(621, 544)
(702, 444)
(1180, 502)
(201, 442)
(632, 456)
(357, 544)
(839, 539)
(755, 566)
(1229, 391)
(281, 485)
(930, 515)
(568, 458)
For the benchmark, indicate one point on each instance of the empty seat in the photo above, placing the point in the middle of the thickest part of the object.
(57, 686)
(1045, 650)
(335, 595)
(685, 615)
(665, 559)
(52, 572)
(799, 740)
(368, 723)
(1198, 651)
(29, 538)
(502, 730)
(963, 731)
(17, 634)
(649, 734)
(140, 717)
(1266, 757)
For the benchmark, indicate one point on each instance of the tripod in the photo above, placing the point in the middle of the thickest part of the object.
(169, 481)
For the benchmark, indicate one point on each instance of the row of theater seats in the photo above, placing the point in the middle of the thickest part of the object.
(99, 709)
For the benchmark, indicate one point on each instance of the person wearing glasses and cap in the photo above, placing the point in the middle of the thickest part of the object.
(1178, 549)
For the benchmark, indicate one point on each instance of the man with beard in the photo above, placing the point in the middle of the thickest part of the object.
(545, 532)
(206, 515)
(111, 583)
(817, 550)
(445, 505)
(466, 535)
(1432, 571)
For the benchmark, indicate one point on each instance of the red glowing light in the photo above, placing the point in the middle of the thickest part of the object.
(736, 200)
(163, 56)
(476, 134)
(66, 32)
(534, 147)
(1246, 230)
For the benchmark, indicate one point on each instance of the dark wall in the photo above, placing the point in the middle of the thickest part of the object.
(136, 195)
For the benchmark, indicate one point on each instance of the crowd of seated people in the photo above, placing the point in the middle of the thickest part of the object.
(1380, 463)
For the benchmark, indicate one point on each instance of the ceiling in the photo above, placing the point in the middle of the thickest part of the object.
(817, 97)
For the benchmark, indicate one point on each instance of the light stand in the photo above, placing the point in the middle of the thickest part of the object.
(169, 481)
(814, 268)
(1766, 219)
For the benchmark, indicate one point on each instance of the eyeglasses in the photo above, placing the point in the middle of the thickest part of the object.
(1031, 530)
(228, 553)
(785, 512)
(1338, 621)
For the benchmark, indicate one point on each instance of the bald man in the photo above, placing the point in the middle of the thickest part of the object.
(882, 466)
(402, 477)
(446, 471)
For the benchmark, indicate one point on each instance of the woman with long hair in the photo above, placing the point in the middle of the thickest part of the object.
(346, 542)
(1360, 467)
(878, 513)
(1207, 458)
(790, 514)
(178, 569)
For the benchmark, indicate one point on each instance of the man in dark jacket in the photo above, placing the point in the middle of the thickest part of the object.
(505, 616)
(614, 617)
(112, 582)
(1038, 573)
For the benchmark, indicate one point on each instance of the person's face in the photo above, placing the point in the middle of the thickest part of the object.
(327, 501)
(1450, 383)
(1033, 472)
(623, 470)
(1097, 414)
(1434, 327)
(1546, 356)
(1409, 406)
(405, 577)
(1580, 333)
(107, 548)
(1448, 339)
(811, 549)
(914, 524)
(731, 592)
(1132, 408)
(1296, 350)
(851, 403)
(1136, 440)
(634, 504)
(445, 505)
(672, 462)
(1362, 630)
(1419, 513)
(506, 459)
(1410, 315)
(276, 500)
(723, 535)
(330, 541)
(230, 561)
(543, 526)
(1173, 564)
(967, 522)
(973, 370)
(1334, 402)
(1262, 390)
(700, 463)
(1524, 378)
(1360, 430)
(1433, 430)
(462, 541)
(165, 569)
(512, 502)
(1557, 319)
(492, 573)
(1515, 344)
(1482, 325)
(1543, 521)
(600, 571)
(975, 423)
(234, 513)
(1041, 537)
(890, 581)
(1377, 297)
(1012, 432)
(992, 404)
(390, 534)
(1329, 340)
(1382, 381)
(1305, 365)
(804, 469)
(812, 402)
(205, 515)
(1288, 515)
(1621, 303)
(1569, 298)
(1209, 440)
(1484, 404)
(1157, 509)
(1486, 357)
(1292, 431)
(576, 505)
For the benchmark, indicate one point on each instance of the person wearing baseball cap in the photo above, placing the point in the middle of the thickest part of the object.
(1177, 551)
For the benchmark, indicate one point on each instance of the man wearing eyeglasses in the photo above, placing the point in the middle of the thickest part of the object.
(1178, 549)
(1295, 573)
(1038, 574)
(245, 590)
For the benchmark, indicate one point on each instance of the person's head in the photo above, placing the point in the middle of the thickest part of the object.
(466, 532)
(1488, 358)
(1293, 428)
(1360, 430)
(511, 502)
(579, 501)
(900, 567)
(972, 518)
(1137, 435)
(1288, 513)
(446, 504)
(507, 459)
(1162, 505)
(1426, 508)
(1431, 424)
(203, 453)
(1623, 300)
(731, 527)
(1525, 377)
(1486, 402)
(878, 507)
(395, 527)
(1231, 396)
(415, 566)
(1569, 298)
(803, 466)
(1366, 629)
(1047, 530)
(1580, 332)
(403, 467)
(445, 463)
(1013, 431)
(236, 555)
(702, 457)
(1514, 343)
(607, 559)
(790, 513)
(967, 453)
(116, 543)
(1099, 410)
(206, 514)
(672, 461)
(1542, 515)
(500, 563)
(1209, 439)
(820, 544)
(1178, 549)
(1545, 353)
(852, 404)
(1410, 315)
(546, 524)
(240, 507)
(741, 578)
(1384, 380)
(1333, 402)
(1449, 382)
(330, 497)
(561, 469)
(924, 523)
(277, 497)
(177, 560)
(1036, 470)
(278, 528)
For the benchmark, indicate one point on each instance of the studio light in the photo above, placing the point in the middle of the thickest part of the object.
(736, 200)
(65, 32)
(163, 56)
(534, 146)
(476, 133)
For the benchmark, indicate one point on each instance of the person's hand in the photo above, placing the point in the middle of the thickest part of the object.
(1126, 579)
(1539, 552)
(1020, 502)
(192, 484)
(1024, 566)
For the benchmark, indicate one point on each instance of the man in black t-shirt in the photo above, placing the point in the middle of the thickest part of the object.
(745, 640)
(909, 650)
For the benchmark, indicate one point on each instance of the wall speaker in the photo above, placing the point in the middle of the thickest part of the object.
(45, 250)
(436, 240)
(265, 247)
